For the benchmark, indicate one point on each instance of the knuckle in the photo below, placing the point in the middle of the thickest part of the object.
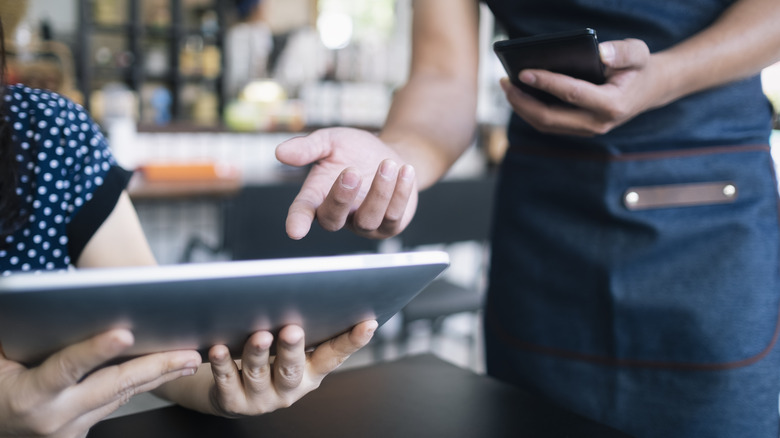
(68, 368)
(329, 225)
(339, 360)
(329, 221)
(341, 202)
(616, 111)
(364, 225)
(342, 353)
(256, 373)
(291, 374)
(573, 95)
(384, 194)
(125, 389)
(393, 217)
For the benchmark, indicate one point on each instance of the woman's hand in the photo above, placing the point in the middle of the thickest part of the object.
(635, 84)
(66, 395)
(260, 384)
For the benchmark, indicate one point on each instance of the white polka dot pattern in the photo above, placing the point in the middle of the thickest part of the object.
(66, 158)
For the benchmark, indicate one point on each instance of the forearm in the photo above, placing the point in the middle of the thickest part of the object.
(430, 126)
(432, 119)
(737, 45)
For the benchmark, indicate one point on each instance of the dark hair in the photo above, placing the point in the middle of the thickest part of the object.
(11, 215)
(244, 7)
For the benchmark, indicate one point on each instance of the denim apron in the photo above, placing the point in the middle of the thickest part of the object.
(640, 289)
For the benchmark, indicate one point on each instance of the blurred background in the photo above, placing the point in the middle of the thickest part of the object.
(196, 94)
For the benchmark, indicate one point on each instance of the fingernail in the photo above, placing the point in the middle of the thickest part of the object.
(607, 52)
(527, 78)
(372, 328)
(294, 337)
(265, 341)
(350, 179)
(189, 371)
(407, 172)
(124, 337)
(219, 354)
(388, 169)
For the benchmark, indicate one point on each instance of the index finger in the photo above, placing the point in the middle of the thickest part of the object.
(68, 366)
(330, 209)
(559, 119)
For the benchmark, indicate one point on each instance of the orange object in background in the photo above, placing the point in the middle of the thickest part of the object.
(185, 172)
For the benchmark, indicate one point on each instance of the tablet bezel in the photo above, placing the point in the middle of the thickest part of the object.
(180, 306)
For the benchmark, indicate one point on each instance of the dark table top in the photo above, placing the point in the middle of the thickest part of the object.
(412, 397)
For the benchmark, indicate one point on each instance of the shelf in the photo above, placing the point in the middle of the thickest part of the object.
(164, 45)
(121, 29)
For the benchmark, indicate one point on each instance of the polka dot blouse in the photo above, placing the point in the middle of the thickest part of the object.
(68, 180)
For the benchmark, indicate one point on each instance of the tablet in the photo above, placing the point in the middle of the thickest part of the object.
(195, 306)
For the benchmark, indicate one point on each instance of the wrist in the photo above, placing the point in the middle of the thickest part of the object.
(666, 81)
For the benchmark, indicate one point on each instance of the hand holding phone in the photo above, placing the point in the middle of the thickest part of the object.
(573, 53)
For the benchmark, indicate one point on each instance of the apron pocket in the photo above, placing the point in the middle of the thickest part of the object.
(658, 260)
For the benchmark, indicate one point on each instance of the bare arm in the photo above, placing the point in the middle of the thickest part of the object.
(744, 40)
(119, 241)
(433, 117)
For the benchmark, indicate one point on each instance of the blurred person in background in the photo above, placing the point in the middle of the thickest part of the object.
(248, 45)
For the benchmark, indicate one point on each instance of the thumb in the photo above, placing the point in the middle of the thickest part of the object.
(300, 151)
(622, 54)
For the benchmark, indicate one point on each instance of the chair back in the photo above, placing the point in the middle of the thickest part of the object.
(452, 211)
(254, 228)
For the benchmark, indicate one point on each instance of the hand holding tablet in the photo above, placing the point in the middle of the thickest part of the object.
(79, 344)
(196, 306)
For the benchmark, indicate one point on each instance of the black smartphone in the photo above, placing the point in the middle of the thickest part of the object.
(573, 53)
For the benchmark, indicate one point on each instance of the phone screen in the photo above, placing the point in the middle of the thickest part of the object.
(573, 53)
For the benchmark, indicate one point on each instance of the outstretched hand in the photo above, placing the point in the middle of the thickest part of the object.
(64, 396)
(262, 385)
(356, 181)
(634, 85)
